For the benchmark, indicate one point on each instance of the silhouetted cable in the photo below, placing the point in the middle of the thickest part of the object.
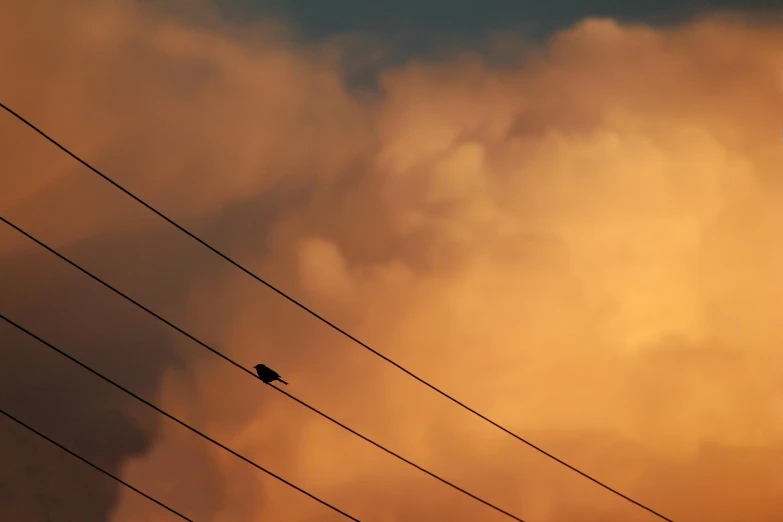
(94, 466)
(231, 361)
(175, 419)
(324, 320)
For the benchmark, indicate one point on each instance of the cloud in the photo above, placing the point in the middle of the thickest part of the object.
(582, 245)
(322, 268)
(55, 396)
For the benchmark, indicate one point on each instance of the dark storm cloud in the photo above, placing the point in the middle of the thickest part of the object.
(85, 319)
(65, 402)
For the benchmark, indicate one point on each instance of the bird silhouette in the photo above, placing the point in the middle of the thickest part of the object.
(267, 374)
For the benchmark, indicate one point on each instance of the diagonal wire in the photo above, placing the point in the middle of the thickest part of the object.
(95, 466)
(326, 321)
(236, 364)
(178, 421)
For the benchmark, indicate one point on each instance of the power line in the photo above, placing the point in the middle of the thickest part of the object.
(236, 364)
(178, 421)
(95, 466)
(326, 321)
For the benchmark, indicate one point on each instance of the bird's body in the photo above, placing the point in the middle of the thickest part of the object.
(267, 374)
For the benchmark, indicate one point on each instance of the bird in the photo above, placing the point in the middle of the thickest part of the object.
(267, 374)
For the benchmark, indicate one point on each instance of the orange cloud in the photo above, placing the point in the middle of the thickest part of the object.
(583, 246)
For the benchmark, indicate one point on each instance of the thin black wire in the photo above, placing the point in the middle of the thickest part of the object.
(175, 419)
(231, 361)
(158, 502)
(326, 321)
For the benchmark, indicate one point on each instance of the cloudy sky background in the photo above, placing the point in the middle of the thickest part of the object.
(575, 231)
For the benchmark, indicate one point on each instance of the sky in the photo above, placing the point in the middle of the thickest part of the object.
(465, 17)
(575, 232)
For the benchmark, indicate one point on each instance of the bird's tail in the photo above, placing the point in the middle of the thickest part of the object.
(281, 380)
